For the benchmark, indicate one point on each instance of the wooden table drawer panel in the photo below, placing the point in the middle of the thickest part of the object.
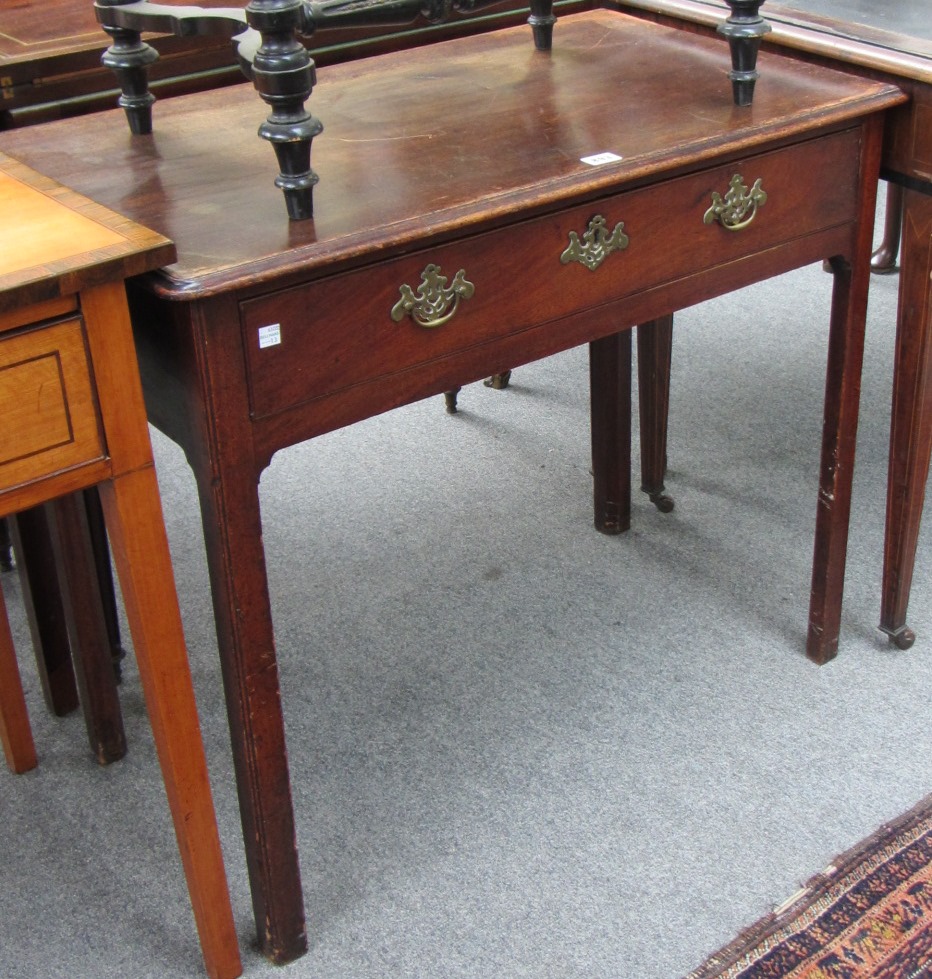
(47, 403)
(296, 339)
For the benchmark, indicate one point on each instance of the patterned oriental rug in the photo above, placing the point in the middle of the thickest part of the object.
(866, 916)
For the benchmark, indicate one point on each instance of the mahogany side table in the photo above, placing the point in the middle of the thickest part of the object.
(890, 42)
(72, 417)
(455, 237)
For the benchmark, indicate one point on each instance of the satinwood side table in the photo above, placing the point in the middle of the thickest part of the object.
(73, 416)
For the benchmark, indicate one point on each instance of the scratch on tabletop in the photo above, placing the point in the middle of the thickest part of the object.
(393, 139)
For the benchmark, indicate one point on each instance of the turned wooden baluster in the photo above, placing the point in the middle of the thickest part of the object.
(744, 30)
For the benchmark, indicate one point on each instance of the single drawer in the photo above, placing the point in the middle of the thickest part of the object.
(47, 403)
(329, 335)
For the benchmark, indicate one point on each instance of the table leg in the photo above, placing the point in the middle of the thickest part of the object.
(15, 734)
(911, 421)
(133, 514)
(90, 646)
(101, 552)
(236, 561)
(655, 352)
(45, 612)
(610, 387)
(6, 545)
(210, 417)
(134, 517)
(839, 433)
(883, 261)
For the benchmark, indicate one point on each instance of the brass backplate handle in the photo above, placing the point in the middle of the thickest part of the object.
(738, 208)
(435, 302)
(596, 243)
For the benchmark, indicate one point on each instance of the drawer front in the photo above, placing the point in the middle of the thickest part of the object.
(318, 339)
(48, 415)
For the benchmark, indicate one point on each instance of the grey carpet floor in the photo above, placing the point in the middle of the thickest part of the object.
(519, 748)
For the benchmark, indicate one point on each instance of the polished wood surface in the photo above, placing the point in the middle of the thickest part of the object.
(417, 170)
(890, 42)
(73, 416)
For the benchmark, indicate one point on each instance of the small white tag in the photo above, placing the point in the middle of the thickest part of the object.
(598, 159)
(270, 336)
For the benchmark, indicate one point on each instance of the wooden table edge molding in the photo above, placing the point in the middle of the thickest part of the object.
(79, 422)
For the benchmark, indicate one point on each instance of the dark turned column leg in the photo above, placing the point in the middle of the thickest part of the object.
(45, 611)
(129, 58)
(610, 385)
(498, 381)
(911, 421)
(101, 551)
(542, 21)
(449, 400)
(77, 575)
(236, 560)
(283, 74)
(6, 546)
(655, 352)
(883, 261)
(744, 29)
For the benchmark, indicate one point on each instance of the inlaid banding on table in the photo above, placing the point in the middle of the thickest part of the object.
(435, 302)
(596, 244)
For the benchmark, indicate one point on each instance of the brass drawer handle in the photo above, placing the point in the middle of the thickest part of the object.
(739, 206)
(434, 303)
(596, 244)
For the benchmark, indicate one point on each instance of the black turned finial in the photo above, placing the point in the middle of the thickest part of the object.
(744, 30)
(129, 58)
(283, 73)
(542, 21)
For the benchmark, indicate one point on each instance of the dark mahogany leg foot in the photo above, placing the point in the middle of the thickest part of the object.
(883, 261)
(449, 399)
(498, 381)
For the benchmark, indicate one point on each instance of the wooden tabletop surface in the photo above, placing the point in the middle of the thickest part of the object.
(906, 18)
(54, 241)
(431, 141)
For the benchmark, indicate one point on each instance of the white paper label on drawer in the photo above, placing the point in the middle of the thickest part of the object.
(598, 159)
(270, 336)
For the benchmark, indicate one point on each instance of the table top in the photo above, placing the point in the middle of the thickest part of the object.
(426, 145)
(890, 37)
(53, 241)
(910, 20)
